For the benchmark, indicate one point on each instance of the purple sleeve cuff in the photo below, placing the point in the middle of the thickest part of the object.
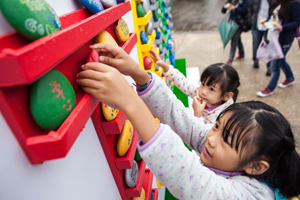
(141, 147)
(149, 87)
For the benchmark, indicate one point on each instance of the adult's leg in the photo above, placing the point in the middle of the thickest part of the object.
(240, 46)
(286, 67)
(275, 68)
(234, 42)
(256, 39)
(276, 65)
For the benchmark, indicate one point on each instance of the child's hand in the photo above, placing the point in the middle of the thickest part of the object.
(110, 87)
(198, 106)
(107, 85)
(159, 61)
(116, 57)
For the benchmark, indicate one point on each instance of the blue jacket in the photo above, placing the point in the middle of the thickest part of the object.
(289, 24)
(240, 12)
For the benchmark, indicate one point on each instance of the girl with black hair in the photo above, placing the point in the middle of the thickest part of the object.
(248, 154)
(218, 88)
(288, 12)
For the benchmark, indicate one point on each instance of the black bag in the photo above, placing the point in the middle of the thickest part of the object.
(244, 23)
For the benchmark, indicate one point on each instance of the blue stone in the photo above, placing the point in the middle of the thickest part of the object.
(108, 3)
(94, 6)
(158, 34)
(144, 37)
(120, 1)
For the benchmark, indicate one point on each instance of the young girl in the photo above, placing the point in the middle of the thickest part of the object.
(288, 12)
(217, 90)
(248, 154)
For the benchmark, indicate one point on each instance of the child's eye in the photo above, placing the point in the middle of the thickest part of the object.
(216, 126)
(212, 89)
(226, 141)
(202, 84)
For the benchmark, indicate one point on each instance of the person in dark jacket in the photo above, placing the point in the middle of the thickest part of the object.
(289, 14)
(258, 10)
(238, 10)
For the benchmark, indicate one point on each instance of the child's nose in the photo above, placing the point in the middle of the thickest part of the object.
(204, 92)
(211, 141)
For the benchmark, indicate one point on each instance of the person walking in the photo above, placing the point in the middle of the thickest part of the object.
(238, 10)
(288, 12)
(258, 10)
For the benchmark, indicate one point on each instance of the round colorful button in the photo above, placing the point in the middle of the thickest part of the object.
(105, 37)
(121, 30)
(131, 175)
(94, 6)
(125, 138)
(149, 28)
(144, 37)
(52, 99)
(108, 112)
(140, 10)
(108, 3)
(147, 62)
(32, 20)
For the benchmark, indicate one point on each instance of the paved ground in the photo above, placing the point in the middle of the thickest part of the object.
(198, 41)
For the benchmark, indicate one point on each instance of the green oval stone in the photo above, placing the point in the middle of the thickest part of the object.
(155, 15)
(33, 19)
(140, 10)
(52, 99)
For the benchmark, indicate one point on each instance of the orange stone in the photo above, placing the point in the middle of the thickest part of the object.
(105, 37)
(125, 138)
(108, 112)
(121, 30)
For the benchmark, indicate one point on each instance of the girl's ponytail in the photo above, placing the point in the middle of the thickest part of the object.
(289, 170)
(235, 91)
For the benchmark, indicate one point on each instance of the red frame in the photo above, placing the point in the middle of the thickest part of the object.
(14, 100)
(147, 184)
(68, 48)
(115, 126)
(109, 143)
(28, 61)
(155, 193)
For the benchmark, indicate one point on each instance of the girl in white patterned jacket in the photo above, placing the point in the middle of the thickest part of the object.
(249, 153)
(217, 90)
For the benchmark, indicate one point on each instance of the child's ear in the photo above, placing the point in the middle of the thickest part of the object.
(227, 96)
(257, 168)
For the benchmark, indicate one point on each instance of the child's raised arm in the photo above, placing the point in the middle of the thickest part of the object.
(159, 61)
(116, 57)
(111, 88)
(179, 118)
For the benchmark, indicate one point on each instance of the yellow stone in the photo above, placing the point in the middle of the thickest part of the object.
(109, 113)
(105, 37)
(142, 197)
(125, 138)
(121, 30)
